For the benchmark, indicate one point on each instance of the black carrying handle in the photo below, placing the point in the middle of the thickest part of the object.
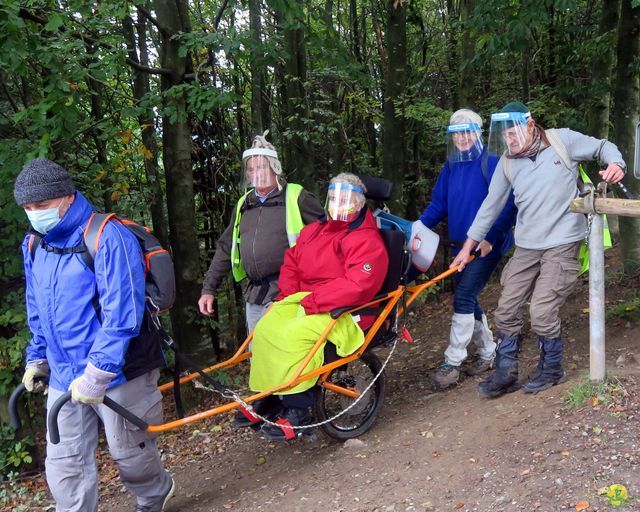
(14, 417)
(52, 420)
(625, 191)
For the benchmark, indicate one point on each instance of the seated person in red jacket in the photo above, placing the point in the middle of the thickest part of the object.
(337, 262)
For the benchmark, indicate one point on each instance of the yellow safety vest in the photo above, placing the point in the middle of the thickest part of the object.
(583, 256)
(294, 225)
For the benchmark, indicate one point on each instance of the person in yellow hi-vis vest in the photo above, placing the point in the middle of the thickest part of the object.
(264, 224)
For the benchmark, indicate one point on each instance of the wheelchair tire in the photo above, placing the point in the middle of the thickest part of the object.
(362, 417)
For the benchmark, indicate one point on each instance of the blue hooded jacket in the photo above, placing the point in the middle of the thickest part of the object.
(460, 190)
(61, 290)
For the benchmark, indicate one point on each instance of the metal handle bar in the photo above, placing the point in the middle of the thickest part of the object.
(52, 420)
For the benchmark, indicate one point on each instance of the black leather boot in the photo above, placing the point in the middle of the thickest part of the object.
(551, 371)
(505, 378)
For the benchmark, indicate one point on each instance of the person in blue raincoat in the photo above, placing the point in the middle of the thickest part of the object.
(82, 321)
(460, 189)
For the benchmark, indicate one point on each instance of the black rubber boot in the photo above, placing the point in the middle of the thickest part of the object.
(505, 378)
(552, 372)
(538, 371)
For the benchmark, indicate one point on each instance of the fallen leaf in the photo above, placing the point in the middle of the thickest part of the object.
(261, 460)
(525, 472)
(564, 453)
(459, 505)
(582, 505)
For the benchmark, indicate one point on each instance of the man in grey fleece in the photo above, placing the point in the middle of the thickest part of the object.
(264, 224)
(544, 267)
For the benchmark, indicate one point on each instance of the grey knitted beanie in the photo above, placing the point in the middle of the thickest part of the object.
(42, 179)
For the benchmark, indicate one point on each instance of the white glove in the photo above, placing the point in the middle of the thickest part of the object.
(35, 369)
(91, 386)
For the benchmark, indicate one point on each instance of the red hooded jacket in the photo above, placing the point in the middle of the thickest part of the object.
(341, 263)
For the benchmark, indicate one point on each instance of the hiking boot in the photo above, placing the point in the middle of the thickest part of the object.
(505, 378)
(445, 375)
(290, 417)
(159, 507)
(549, 371)
(269, 407)
(478, 366)
(500, 382)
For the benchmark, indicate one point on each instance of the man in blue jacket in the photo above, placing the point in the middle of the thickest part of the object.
(461, 187)
(83, 321)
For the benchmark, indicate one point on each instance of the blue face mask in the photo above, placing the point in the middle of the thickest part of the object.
(44, 221)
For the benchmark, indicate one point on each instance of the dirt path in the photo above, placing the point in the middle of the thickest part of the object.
(438, 451)
(433, 451)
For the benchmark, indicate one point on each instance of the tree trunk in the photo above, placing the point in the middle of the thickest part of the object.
(627, 106)
(173, 16)
(598, 108)
(468, 72)
(146, 120)
(297, 148)
(394, 151)
(453, 61)
(257, 67)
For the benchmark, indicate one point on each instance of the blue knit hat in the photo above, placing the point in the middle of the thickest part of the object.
(42, 179)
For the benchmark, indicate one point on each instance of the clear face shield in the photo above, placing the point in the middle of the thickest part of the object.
(464, 142)
(344, 201)
(508, 133)
(256, 170)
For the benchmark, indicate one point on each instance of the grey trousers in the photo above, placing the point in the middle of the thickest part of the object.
(71, 464)
(547, 277)
(253, 313)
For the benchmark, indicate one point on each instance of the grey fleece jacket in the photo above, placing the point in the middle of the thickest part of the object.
(263, 242)
(543, 188)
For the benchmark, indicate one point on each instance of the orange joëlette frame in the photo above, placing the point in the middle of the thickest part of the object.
(323, 372)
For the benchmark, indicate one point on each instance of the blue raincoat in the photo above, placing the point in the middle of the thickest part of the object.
(68, 329)
(460, 190)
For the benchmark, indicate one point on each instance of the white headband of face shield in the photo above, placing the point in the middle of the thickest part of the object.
(259, 152)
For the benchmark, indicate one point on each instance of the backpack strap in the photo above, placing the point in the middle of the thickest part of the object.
(484, 166)
(556, 143)
(92, 234)
(34, 241)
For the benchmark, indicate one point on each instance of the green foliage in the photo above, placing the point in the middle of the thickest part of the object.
(14, 453)
(625, 310)
(593, 392)
(13, 340)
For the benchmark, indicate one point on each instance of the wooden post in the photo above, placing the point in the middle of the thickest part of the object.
(596, 300)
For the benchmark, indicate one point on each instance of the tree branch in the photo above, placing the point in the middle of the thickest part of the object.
(147, 14)
(23, 13)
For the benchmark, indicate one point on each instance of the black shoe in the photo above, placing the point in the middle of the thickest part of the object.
(269, 407)
(547, 378)
(500, 382)
(549, 371)
(290, 417)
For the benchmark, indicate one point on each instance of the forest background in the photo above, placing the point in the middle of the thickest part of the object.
(149, 105)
